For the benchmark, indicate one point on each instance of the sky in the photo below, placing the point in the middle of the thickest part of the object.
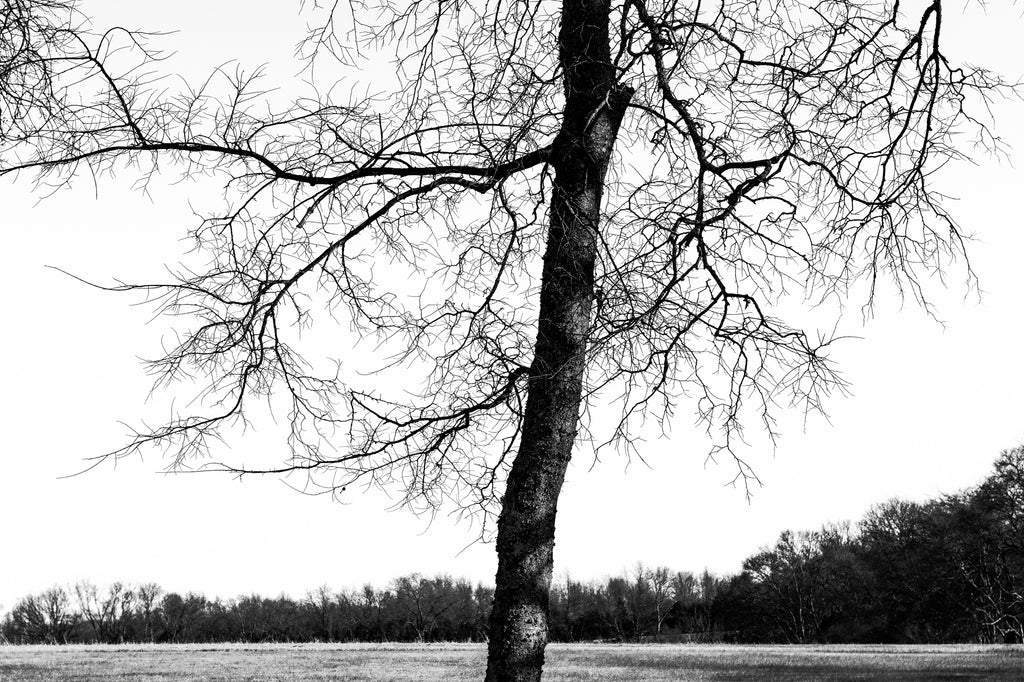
(931, 407)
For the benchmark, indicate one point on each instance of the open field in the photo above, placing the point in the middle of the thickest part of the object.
(459, 662)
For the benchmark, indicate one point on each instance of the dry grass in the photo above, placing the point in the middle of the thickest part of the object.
(456, 663)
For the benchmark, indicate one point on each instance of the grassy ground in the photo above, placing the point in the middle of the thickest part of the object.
(456, 663)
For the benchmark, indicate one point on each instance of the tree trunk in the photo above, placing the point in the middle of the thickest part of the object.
(594, 106)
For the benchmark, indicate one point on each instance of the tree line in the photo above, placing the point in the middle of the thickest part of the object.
(945, 570)
(410, 608)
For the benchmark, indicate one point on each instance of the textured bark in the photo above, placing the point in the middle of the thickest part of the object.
(594, 106)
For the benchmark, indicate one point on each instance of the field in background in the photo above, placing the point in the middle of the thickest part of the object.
(465, 662)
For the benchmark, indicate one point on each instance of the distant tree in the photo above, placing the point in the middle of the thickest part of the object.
(249, 617)
(648, 600)
(663, 596)
(1004, 491)
(148, 594)
(613, 603)
(800, 583)
(766, 147)
(370, 605)
(894, 543)
(109, 613)
(1005, 487)
(46, 618)
(424, 602)
(985, 543)
(26, 624)
(708, 588)
(683, 588)
(284, 619)
(179, 616)
(463, 620)
(122, 601)
(322, 603)
(923, 559)
(268, 620)
(845, 583)
(483, 596)
(580, 611)
(563, 610)
(217, 623)
(87, 597)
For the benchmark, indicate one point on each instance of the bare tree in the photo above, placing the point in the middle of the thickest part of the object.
(91, 606)
(322, 602)
(423, 601)
(149, 595)
(767, 150)
(663, 595)
(370, 606)
(107, 614)
(46, 617)
(179, 615)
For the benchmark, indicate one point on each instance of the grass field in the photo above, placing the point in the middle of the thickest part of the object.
(456, 663)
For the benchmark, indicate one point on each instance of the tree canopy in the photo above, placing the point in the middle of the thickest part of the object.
(769, 149)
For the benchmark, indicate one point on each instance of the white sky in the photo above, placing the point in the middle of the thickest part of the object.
(931, 408)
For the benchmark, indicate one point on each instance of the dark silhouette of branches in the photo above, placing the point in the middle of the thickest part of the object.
(767, 157)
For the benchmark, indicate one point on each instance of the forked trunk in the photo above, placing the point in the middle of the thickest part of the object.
(594, 106)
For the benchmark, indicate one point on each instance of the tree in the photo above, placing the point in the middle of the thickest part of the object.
(764, 149)
(663, 595)
(984, 543)
(148, 594)
(808, 584)
(423, 602)
(180, 615)
(46, 618)
(107, 614)
(370, 608)
(322, 603)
